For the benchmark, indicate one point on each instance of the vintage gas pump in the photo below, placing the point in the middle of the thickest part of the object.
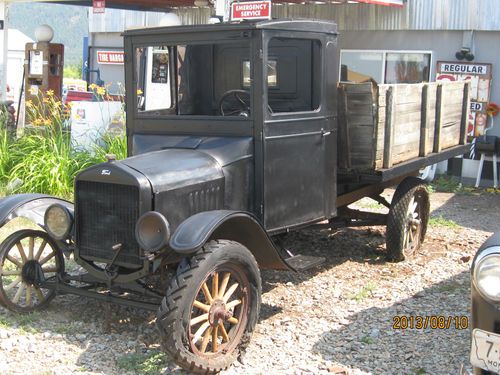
(43, 65)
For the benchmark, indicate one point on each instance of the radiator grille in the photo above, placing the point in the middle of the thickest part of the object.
(106, 215)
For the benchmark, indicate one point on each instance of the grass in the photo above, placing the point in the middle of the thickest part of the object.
(150, 363)
(23, 322)
(363, 293)
(449, 184)
(441, 221)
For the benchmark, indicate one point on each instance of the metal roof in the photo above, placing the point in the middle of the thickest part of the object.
(289, 25)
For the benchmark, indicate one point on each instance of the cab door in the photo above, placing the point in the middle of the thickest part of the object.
(298, 131)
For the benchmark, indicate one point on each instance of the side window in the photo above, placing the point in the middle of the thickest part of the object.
(154, 90)
(293, 75)
(385, 66)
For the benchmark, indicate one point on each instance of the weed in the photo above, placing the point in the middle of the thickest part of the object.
(440, 221)
(367, 340)
(363, 293)
(143, 364)
(420, 371)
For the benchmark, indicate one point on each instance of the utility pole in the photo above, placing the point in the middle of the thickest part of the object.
(4, 17)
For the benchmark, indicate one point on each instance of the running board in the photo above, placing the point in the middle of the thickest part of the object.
(304, 262)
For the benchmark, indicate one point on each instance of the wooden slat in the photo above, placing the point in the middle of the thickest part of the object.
(344, 152)
(465, 114)
(437, 125)
(424, 122)
(389, 128)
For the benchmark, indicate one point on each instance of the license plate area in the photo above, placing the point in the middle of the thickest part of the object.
(485, 350)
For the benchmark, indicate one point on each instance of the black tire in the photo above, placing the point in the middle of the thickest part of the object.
(23, 255)
(183, 306)
(407, 220)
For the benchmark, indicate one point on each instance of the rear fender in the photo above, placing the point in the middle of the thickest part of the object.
(237, 226)
(29, 206)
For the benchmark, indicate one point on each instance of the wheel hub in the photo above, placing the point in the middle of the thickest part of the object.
(218, 312)
(32, 272)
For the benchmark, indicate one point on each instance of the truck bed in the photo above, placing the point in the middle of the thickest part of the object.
(386, 131)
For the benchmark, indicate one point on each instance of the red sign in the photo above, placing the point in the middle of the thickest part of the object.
(99, 6)
(110, 57)
(251, 10)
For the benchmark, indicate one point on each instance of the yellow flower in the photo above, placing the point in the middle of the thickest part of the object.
(29, 103)
(46, 122)
(37, 121)
(50, 92)
(139, 92)
(101, 91)
(93, 86)
(77, 116)
(45, 100)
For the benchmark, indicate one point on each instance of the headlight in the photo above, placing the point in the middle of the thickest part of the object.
(58, 221)
(487, 274)
(152, 231)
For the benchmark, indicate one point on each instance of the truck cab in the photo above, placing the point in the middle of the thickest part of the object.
(260, 98)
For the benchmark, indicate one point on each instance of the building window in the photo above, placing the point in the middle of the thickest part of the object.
(385, 66)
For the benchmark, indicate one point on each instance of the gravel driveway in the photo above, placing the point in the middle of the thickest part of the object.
(336, 319)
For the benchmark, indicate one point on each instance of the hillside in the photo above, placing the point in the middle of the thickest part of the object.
(70, 24)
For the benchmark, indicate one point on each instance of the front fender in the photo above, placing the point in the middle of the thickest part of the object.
(30, 206)
(237, 226)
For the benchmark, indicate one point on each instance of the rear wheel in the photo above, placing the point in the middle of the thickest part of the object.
(407, 219)
(28, 257)
(211, 307)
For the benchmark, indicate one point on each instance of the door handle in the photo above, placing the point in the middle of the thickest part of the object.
(325, 133)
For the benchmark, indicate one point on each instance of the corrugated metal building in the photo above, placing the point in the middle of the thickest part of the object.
(436, 29)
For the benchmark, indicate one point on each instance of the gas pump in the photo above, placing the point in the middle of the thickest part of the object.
(43, 65)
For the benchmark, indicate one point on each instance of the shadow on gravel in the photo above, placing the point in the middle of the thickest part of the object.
(472, 211)
(368, 341)
(363, 245)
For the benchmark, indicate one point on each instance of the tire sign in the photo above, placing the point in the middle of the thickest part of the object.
(251, 10)
(99, 6)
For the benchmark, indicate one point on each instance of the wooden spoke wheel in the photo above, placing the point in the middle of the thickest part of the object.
(407, 219)
(27, 258)
(211, 308)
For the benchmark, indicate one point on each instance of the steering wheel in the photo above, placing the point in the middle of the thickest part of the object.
(235, 102)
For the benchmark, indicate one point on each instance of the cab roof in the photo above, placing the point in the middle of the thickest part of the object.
(309, 25)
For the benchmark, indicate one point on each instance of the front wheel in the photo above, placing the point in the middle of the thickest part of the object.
(27, 258)
(407, 219)
(211, 307)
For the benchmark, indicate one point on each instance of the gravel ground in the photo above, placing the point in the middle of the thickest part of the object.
(336, 319)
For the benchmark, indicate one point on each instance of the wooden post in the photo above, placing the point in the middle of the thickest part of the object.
(465, 114)
(389, 128)
(439, 122)
(424, 120)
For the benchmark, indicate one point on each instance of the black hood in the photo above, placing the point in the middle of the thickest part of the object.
(173, 169)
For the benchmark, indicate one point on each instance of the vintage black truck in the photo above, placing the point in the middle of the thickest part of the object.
(237, 133)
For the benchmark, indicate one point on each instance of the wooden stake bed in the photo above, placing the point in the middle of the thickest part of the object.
(386, 129)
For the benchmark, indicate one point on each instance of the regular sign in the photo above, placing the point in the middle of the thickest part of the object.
(251, 10)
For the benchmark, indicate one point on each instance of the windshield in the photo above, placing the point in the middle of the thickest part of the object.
(194, 79)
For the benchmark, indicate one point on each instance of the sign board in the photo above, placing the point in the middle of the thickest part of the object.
(396, 3)
(480, 76)
(111, 57)
(250, 10)
(98, 6)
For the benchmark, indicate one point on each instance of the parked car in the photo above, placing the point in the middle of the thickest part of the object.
(233, 137)
(485, 312)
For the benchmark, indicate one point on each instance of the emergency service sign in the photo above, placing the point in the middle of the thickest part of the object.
(250, 10)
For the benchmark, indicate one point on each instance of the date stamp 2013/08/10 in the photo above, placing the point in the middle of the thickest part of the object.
(430, 322)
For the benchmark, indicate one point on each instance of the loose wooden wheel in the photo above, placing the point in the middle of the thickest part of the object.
(27, 258)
